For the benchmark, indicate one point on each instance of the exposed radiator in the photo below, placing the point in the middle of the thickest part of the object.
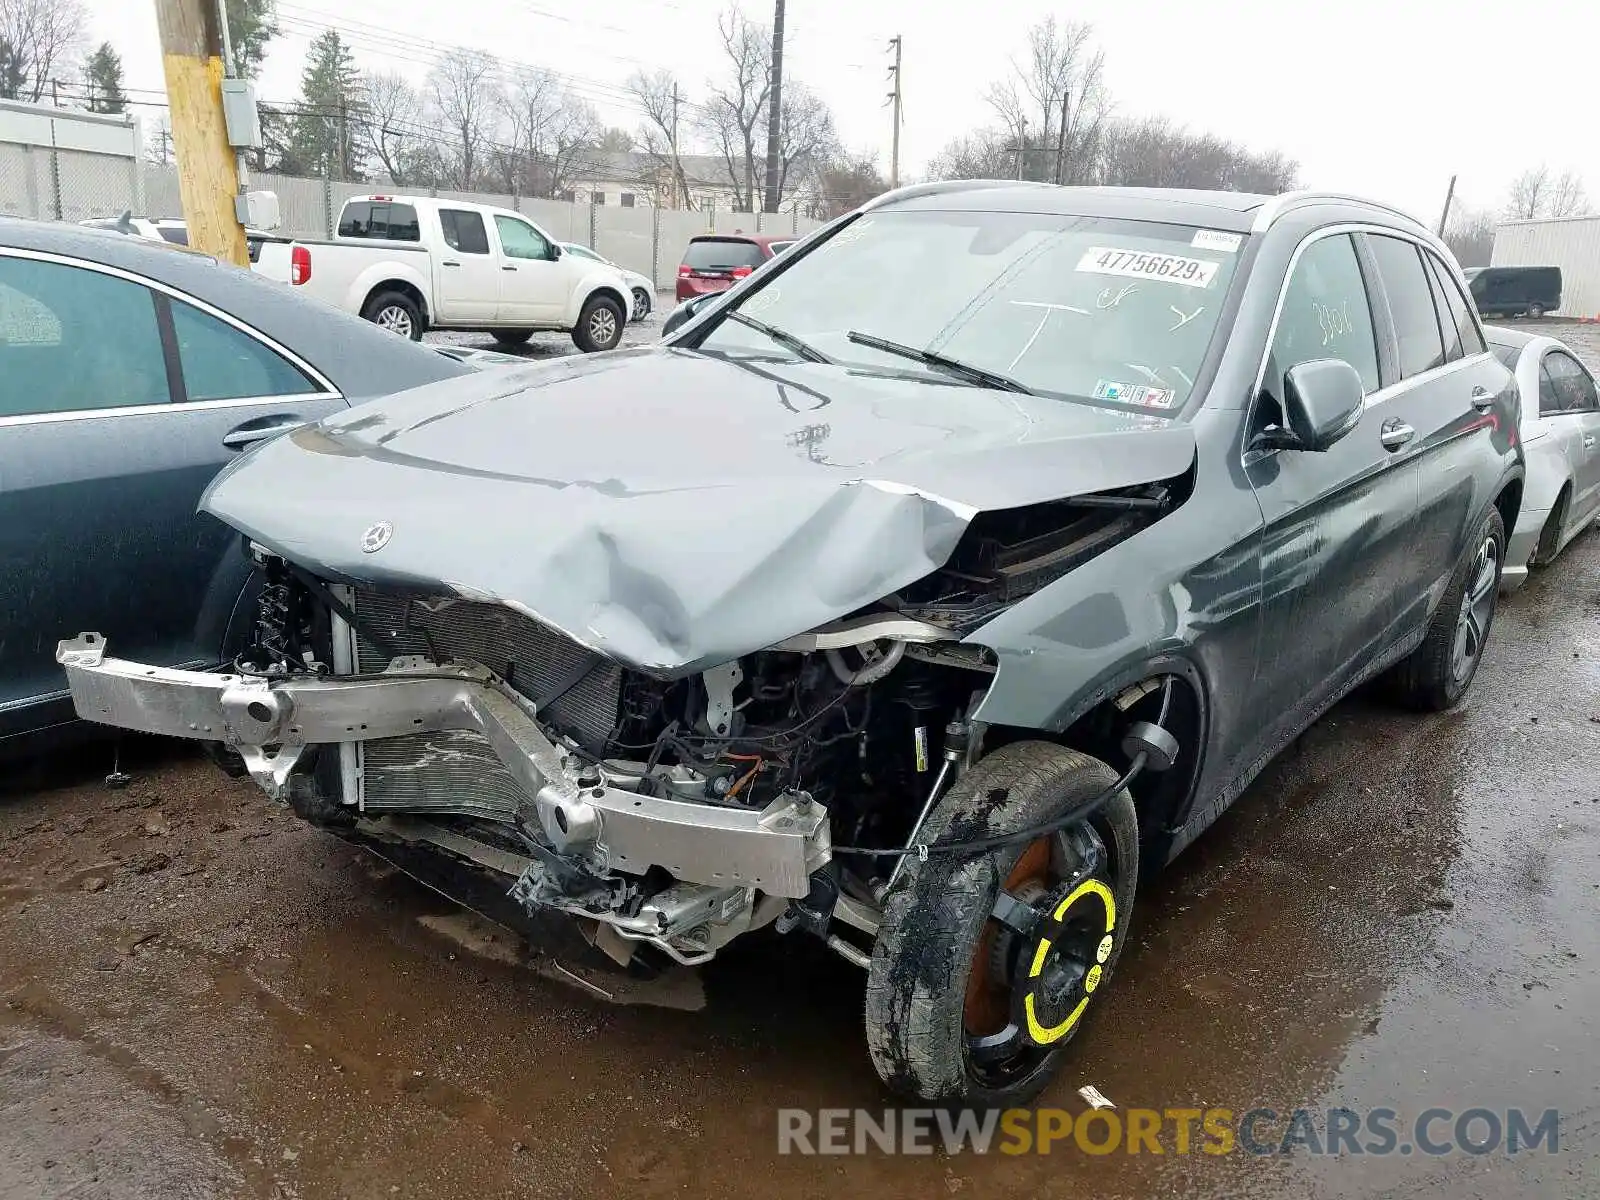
(456, 771)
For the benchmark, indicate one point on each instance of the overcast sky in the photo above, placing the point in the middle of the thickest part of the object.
(1385, 98)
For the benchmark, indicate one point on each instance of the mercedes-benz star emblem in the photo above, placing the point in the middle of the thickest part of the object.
(377, 537)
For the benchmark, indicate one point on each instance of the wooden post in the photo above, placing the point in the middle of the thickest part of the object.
(191, 51)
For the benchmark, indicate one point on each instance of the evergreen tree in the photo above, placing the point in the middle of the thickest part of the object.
(102, 80)
(13, 72)
(251, 25)
(325, 129)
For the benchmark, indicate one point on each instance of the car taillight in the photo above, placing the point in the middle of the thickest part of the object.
(299, 266)
(685, 270)
(741, 272)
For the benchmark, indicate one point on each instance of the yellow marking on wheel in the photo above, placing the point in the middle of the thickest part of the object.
(1038, 958)
(1103, 951)
(1092, 979)
(1082, 890)
(1042, 1036)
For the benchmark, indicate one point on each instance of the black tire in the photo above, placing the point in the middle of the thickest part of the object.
(1535, 311)
(396, 312)
(643, 302)
(936, 923)
(593, 332)
(512, 337)
(1435, 677)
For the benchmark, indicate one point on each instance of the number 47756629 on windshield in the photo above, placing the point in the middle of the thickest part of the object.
(1143, 264)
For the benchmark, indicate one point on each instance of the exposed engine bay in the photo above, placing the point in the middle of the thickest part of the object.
(855, 728)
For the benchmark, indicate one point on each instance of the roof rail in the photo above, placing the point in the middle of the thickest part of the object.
(938, 187)
(1277, 206)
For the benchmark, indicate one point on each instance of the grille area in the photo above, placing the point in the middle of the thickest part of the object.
(456, 771)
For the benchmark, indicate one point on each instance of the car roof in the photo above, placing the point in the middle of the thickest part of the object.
(1233, 211)
(361, 359)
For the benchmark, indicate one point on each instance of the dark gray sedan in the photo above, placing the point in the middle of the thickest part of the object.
(129, 373)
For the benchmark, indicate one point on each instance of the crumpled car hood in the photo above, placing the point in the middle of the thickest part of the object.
(670, 509)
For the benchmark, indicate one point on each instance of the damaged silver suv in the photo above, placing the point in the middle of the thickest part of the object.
(916, 595)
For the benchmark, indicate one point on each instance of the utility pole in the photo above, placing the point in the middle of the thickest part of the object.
(894, 98)
(1022, 143)
(1450, 194)
(679, 184)
(191, 49)
(775, 110)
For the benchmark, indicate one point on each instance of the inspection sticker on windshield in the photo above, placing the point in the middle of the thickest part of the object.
(1141, 264)
(1133, 393)
(1215, 239)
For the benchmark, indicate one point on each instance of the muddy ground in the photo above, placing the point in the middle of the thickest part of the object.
(199, 996)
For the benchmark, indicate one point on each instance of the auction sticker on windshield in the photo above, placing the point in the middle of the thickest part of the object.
(1143, 264)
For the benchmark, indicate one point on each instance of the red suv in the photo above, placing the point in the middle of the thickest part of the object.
(714, 262)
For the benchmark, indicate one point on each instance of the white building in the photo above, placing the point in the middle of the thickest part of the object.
(1571, 243)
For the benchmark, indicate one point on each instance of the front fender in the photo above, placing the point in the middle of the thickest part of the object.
(599, 280)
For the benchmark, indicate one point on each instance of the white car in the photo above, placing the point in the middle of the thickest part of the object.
(642, 287)
(414, 263)
(1560, 432)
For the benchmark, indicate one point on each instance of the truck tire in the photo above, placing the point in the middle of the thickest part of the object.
(599, 325)
(512, 337)
(951, 990)
(396, 312)
(1438, 672)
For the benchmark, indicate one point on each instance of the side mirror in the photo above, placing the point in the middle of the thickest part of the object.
(555, 251)
(686, 312)
(1322, 401)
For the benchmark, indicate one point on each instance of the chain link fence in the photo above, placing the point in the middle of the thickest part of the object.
(52, 183)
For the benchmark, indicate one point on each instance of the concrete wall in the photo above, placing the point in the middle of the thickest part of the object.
(1571, 243)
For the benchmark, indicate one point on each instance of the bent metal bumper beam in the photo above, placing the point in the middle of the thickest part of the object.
(270, 722)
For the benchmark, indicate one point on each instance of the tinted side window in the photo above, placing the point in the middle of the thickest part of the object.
(1456, 310)
(178, 237)
(1325, 314)
(464, 231)
(1441, 312)
(1551, 401)
(72, 338)
(1573, 387)
(221, 363)
(1416, 322)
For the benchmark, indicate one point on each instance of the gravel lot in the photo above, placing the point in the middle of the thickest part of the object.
(554, 345)
(200, 996)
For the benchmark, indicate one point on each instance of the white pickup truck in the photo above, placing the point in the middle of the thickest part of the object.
(412, 263)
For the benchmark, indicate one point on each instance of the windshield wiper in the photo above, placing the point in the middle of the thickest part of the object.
(782, 336)
(955, 366)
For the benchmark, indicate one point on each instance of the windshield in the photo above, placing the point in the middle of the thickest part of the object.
(1108, 312)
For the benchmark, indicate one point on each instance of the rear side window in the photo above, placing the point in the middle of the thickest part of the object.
(1508, 355)
(1455, 311)
(224, 363)
(464, 231)
(1410, 292)
(379, 219)
(175, 235)
(76, 339)
(1325, 314)
(721, 254)
(1570, 388)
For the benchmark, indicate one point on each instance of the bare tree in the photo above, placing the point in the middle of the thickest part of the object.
(1470, 236)
(574, 133)
(1538, 193)
(737, 105)
(660, 96)
(465, 96)
(1530, 194)
(393, 122)
(983, 154)
(1153, 152)
(1059, 94)
(1567, 197)
(808, 138)
(38, 41)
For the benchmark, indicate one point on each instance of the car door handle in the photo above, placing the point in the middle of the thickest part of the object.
(1482, 398)
(507, 267)
(449, 263)
(252, 432)
(1395, 433)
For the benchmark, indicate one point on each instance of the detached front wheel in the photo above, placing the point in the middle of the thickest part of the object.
(985, 967)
